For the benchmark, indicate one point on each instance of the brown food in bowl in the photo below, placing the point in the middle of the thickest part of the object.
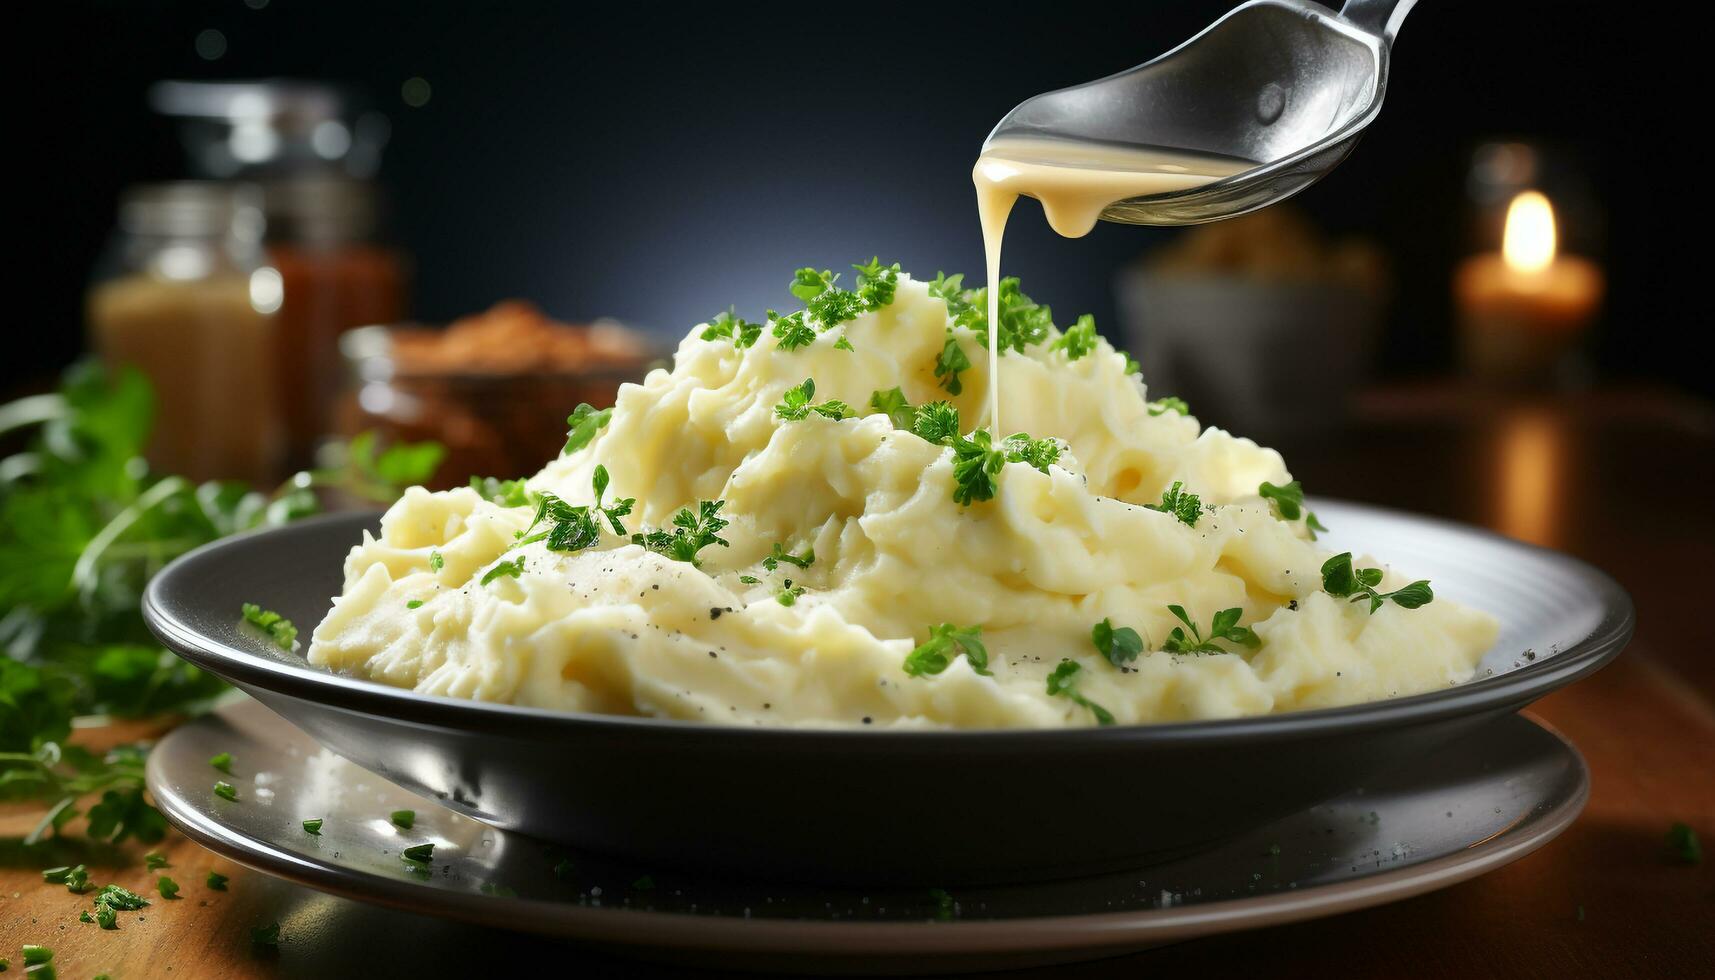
(494, 388)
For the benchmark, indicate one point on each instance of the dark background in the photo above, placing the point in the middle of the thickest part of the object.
(657, 163)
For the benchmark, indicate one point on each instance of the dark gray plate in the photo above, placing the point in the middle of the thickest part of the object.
(1483, 801)
(876, 806)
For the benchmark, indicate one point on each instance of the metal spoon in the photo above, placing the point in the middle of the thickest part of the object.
(1286, 83)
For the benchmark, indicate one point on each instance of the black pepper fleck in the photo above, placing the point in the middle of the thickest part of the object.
(866, 719)
(715, 612)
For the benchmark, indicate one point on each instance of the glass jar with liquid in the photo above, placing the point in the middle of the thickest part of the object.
(187, 296)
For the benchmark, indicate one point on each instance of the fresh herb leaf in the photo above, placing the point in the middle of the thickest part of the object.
(1131, 365)
(807, 283)
(1341, 580)
(168, 888)
(1180, 503)
(1078, 340)
(413, 604)
(975, 465)
(780, 554)
(216, 881)
(1288, 503)
(892, 404)
(1161, 406)
(1022, 321)
(1061, 683)
(950, 363)
(155, 861)
(506, 569)
(618, 509)
(945, 907)
(419, 853)
(1039, 454)
(730, 326)
(789, 593)
(265, 935)
(791, 330)
(313, 826)
(404, 819)
(1119, 645)
(121, 899)
(225, 790)
(692, 532)
(436, 561)
(506, 493)
(582, 425)
(37, 955)
(876, 283)
(936, 422)
(750, 580)
(945, 642)
(278, 627)
(1224, 626)
(795, 404)
(835, 307)
(950, 290)
(222, 761)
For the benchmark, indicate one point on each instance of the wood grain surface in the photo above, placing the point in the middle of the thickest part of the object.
(1621, 479)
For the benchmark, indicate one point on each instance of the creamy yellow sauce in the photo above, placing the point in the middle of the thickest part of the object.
(616, 628)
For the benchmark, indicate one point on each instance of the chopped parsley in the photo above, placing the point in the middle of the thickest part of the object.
(1161, 406)
(313, 827)
(575, 528)
(730, 326)
(691, 533)
(75, 878)
(155, 860)
(1078, 340)
(892, 404)
(750, 580)
(780, 554)
(795, 405)
(807, 283)
(1061, 682)
(1022, 321)
(168, 888)
(506, 493)
(278, 627)
(976, 461)
(945, 642)
(835, 307)
(419, 853)
(216, 881)
(37, 955)
(945, 907)
(506, 569)
(1341, 580)
(1119, 645)
(950, 363)
(877, 283)
(582, 425)
(403, 819)
(1180, 503)
(225, 790)
(223, 761)
(413, 604)
(791, 330)
(789, 593)
(950, 290)
(436, 562)
(1224, 626)
(936, 422)
(265, 935)
(1131, 365)
(121, 899)
(1288, 502)
(1683, 845)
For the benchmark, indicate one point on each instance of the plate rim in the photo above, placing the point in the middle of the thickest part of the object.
(1509, 689)
(1116, 931)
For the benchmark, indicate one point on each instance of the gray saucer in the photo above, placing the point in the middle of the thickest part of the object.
(1479, 803)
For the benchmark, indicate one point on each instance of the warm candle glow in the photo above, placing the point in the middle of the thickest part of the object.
(1528, 242)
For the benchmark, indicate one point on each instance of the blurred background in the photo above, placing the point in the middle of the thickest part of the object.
(638, 169)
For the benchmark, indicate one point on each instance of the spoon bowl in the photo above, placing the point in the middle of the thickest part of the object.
(1288, 84)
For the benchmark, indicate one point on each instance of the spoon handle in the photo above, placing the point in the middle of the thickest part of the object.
(1381, 17)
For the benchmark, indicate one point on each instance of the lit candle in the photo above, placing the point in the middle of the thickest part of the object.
(1522, 311)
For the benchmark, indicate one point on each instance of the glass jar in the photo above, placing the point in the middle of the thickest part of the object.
(187, 296)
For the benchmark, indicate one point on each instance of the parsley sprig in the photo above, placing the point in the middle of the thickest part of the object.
(892, 404)
(780, 554)
(582, 425)
(506, 493)
(1078, 340)
(795, 404)
(1179, 502)
(936, 422)
(946, 642)
(729, 325)
(1023, 321)
(692, 532)
(976, 461)
(1341, 580)
(574, 528)
(1161, 406)
(1062, 682)
(1224, 626)
(950, 363)
(1288, 502)
(505, 569)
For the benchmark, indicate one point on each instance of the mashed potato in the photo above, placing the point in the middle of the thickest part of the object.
(461, 596)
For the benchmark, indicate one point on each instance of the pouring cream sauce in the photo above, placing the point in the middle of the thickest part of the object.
(1075, 182)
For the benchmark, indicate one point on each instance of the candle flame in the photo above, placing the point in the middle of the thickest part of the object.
(1528, 243)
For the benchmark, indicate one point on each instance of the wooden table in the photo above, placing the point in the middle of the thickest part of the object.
(1623, 479)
